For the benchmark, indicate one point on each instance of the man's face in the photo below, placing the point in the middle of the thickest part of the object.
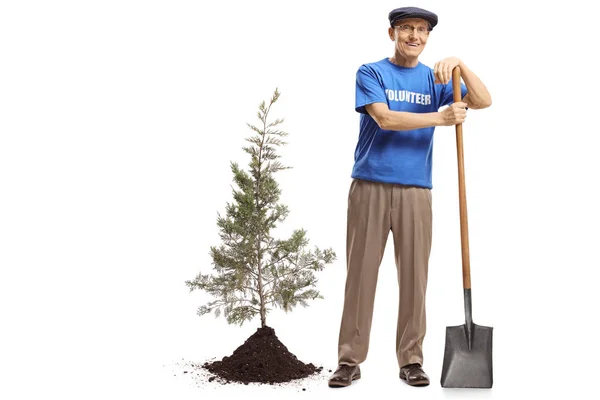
(410, 36)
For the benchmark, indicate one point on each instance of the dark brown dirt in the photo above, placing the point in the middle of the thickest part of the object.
(263, 359)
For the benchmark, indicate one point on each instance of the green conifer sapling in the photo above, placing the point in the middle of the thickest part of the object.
(254, 271)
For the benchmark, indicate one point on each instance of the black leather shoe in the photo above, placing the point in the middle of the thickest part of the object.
(414, 375)
(344, 375)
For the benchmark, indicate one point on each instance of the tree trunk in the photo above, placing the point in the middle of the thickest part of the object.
(263, 317)
(263, 313)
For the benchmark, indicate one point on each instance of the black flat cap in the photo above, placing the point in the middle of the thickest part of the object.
(413, 12)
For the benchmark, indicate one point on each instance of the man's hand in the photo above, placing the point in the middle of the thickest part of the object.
(442, 70)
(456, 113)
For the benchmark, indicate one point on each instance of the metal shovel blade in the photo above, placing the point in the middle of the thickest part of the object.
(468, 357)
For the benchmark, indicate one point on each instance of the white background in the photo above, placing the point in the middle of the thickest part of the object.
(118, 121)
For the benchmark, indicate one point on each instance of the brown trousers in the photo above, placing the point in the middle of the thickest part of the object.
(373, 210)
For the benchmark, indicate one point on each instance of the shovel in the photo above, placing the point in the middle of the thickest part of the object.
(468, 350)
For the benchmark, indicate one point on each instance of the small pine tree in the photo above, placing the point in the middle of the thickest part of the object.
(254, 271)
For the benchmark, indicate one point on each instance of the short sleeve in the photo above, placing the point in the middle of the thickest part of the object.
(447, 96)
(369, 89)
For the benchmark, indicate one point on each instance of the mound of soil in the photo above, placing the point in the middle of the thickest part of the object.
(262, 358)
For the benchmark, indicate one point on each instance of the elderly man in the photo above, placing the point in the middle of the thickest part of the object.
(398, 99)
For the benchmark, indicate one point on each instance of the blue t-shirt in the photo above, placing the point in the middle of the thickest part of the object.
(402, 157)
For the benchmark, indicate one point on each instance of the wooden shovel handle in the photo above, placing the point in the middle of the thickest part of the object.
(462, 195)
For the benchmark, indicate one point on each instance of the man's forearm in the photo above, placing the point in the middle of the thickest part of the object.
(478, 95)
(404, 121)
